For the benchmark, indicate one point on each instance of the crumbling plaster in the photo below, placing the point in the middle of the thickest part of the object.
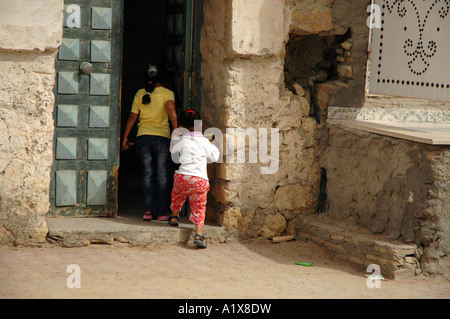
(30, 34)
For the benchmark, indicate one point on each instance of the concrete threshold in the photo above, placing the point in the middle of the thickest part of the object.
(83, 231)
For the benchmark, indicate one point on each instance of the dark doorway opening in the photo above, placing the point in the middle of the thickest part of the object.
(146, 39)
(161, 31)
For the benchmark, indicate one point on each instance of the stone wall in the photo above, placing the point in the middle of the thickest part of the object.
(30, 34)
(333, 20)
(255, 75)
(393, 187)
(244, 86)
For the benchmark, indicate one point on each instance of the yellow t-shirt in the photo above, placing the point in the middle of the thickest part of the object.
(153, 118)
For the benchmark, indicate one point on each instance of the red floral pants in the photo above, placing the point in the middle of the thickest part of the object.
(196, 188)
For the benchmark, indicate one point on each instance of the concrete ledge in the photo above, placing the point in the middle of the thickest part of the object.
(428, 133)
(396, 260)
(78, 232)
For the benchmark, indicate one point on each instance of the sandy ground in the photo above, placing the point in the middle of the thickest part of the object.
(252, 269)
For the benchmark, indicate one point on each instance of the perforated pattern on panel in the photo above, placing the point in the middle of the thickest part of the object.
(411, 49)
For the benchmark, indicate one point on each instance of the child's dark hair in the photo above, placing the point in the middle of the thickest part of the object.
(187, 118)
(155, 73)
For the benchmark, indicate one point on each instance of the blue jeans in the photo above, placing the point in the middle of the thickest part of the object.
(154, 154)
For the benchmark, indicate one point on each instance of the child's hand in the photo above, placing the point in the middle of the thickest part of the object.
(177, 133)
(210, 137)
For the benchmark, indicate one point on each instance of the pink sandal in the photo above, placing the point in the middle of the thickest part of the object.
(147, 217)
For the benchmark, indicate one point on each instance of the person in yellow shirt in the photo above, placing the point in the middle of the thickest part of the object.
(153, 105)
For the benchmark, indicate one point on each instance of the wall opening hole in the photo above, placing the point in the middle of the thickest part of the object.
(319, 56)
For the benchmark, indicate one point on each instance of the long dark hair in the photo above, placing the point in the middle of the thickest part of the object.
(155, 73)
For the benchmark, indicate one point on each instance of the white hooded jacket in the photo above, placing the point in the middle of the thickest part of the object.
(193, 151)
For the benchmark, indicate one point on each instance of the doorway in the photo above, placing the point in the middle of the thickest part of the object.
(155, 31)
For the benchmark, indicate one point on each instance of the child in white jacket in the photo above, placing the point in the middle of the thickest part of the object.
(193, 151)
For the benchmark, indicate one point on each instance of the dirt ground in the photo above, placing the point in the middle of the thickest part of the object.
(254, 269)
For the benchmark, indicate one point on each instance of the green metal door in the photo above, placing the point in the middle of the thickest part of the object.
(184, 23)
(87, 110)
(196, 58)
(175, 31)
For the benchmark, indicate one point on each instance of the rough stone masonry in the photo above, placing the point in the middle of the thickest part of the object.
(31, 33)
(244, 86)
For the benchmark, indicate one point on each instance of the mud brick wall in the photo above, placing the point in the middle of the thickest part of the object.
(393, 187)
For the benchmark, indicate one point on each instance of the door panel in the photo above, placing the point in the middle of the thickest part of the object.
(87, 110)
(175, 42)
(184, 23)
(196, 57)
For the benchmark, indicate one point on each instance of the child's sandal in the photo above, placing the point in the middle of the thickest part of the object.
(171, 223)
(147, 217)
(200, 243)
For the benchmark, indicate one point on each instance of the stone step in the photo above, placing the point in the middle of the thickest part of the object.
(78, 232)
(396, 260)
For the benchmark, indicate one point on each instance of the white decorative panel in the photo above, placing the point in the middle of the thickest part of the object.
(411, 49)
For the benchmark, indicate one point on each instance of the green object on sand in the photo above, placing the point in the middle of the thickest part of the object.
(305, 264)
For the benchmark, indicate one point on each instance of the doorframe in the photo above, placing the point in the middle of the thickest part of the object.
(112, 184)
(193, 58)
